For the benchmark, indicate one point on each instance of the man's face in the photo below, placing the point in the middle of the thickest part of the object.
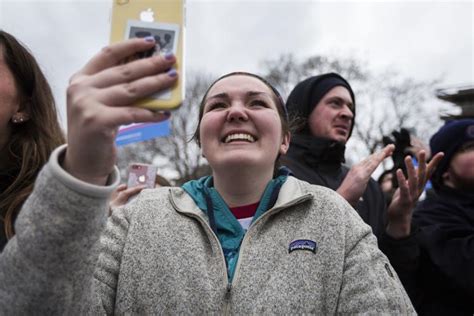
(460, 174)
(332, 116)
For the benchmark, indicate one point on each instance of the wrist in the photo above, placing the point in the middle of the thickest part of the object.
(66, 163)
(350, 199)
(398, 229)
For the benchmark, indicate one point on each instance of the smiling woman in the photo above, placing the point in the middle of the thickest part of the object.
(245, 240)
(241, 125)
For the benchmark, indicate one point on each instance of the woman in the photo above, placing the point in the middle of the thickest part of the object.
(29, 128)
(183, 250)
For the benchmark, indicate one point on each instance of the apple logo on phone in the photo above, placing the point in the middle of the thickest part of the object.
(147, 15)
(142, 179)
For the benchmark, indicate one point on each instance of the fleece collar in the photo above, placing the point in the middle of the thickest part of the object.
(224, 224)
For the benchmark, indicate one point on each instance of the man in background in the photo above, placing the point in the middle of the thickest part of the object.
(324, 107)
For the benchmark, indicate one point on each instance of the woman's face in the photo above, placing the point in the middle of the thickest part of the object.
(9, 100)
(241, 126)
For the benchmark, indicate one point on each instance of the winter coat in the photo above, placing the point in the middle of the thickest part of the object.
(320, 161)
(310, 253)
(446, 276)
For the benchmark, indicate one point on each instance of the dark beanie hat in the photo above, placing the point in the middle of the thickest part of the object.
(307, 94)
(449, 139)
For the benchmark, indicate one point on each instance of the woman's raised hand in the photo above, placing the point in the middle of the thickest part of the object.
(100, 98)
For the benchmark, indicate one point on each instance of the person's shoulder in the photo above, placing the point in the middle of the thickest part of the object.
(157, 193)
(306, 187)
(319, 193)
(330, 206)
(148, 201)
(442, 206)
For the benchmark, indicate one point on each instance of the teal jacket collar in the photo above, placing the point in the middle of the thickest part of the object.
(224, 224)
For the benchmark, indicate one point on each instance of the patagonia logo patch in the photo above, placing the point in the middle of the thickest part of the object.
(303, 244)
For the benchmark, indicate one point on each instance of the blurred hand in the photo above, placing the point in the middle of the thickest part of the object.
(357, 178)
(404, 200)
(99, 99)
(122, 194)
(417, 145)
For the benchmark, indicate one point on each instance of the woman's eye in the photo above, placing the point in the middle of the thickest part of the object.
(258, 103)
(216, 105)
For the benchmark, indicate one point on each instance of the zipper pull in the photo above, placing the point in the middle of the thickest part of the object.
(227, 291)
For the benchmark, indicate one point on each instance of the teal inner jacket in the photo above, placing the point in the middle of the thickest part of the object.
(224, 224)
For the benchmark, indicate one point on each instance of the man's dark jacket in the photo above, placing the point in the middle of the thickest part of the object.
(446, 238)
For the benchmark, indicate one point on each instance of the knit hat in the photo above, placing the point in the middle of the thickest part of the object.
(307, 94)
(449, 139)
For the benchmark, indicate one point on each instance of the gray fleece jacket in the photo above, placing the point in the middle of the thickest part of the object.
(158, 255)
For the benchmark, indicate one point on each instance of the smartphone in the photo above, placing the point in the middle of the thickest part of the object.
(141, 174)
(165, 21)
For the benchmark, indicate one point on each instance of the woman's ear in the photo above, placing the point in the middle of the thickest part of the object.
(285, 144)
(20, 117)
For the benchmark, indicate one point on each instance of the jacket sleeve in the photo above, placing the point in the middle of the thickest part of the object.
(47, 267)
(369, 283)
(404, 256)
(107, 269)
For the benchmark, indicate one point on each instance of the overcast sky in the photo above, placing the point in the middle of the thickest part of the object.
(421, 39)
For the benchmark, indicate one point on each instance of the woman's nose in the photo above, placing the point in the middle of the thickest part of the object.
(237, 112)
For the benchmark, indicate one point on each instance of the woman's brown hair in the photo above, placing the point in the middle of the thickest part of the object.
(32, 141)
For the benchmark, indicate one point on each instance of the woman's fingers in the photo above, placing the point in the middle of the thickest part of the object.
(117, 116)
(122, 196)
(131, 71)
(121, 188)
(129, 192)
(100, 99)
(113, 54)
(127, 94)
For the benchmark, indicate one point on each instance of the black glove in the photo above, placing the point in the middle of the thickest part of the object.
(402, 144)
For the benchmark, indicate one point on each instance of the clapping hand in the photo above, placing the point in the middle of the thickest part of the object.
(404, 200)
